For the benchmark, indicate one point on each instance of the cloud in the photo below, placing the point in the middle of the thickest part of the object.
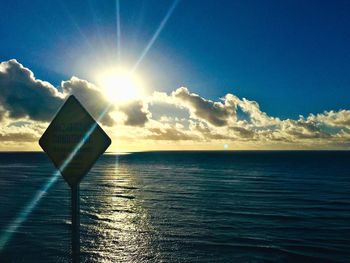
(243, 132)
(19, 131)
(2, 112)
(170, 134)
(136, 113)
(252, 109)
(205, 133)
(220, 121)
(18, 137)
(216, 113)
(22, 95)
(91, 97)
(303, 130)
(333, 118)
(27, 105)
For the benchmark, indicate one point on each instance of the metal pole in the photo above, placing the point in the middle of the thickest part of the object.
(75, 224)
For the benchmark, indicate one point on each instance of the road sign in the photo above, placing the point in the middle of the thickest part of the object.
(74, 141)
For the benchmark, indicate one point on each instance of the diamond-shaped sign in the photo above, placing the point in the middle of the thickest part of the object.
(74, 141)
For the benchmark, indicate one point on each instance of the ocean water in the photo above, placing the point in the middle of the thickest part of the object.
(183, 207)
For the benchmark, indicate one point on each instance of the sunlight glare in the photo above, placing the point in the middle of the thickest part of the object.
(120, 85)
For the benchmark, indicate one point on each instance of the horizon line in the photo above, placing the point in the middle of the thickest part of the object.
(215, 150)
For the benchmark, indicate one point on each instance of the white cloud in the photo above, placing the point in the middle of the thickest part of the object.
(332, 118)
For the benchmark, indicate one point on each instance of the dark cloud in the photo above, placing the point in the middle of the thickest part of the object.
(92, 99)
(136, 114)
(243, 132)
(216, 113)
(21, 95)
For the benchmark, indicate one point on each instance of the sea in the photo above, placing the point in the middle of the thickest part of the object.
(214, 206)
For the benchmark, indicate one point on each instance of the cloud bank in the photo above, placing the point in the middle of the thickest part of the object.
(28, 104)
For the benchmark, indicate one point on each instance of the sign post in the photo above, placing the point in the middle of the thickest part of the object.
(74, 141)
(75, 224)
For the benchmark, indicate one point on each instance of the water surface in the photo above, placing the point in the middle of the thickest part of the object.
(184, 207)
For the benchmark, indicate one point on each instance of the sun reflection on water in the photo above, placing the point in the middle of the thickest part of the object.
(117, 226)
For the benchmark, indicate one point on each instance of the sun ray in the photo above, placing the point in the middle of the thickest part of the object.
(156, 34)
(75, 24)
(118, 30)
(26, 211)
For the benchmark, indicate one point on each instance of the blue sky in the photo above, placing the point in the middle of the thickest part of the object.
(290, 56)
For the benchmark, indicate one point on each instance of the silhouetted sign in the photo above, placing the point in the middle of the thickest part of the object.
(74, 141)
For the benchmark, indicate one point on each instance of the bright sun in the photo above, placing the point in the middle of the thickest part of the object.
(119, 85)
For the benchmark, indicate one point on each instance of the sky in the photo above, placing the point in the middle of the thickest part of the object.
(215, 74)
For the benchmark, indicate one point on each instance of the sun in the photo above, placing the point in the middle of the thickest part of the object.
(120, 85)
